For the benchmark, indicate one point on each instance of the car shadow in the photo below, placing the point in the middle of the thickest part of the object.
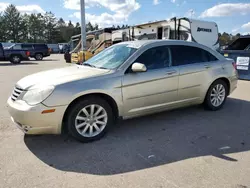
(22, 63)
(45, 60)
(151, 141)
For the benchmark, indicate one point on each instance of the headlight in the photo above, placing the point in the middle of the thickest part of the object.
(37, 94)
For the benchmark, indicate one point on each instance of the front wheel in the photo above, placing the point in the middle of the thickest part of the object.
(216, 95)
(89, 119)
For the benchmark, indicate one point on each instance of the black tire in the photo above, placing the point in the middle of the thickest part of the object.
(39, 56)
(208, 101)
(74, 110)
(15, 59)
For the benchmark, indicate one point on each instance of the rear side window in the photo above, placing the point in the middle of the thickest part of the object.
(17, 47)
(210, 57)
(184, 55)
(40, 46)
(27, 46)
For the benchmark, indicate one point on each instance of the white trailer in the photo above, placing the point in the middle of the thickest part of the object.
(202, 32)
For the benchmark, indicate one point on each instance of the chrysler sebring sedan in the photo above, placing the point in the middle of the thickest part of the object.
(125, 80)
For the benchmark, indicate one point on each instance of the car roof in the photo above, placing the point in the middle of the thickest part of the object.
(141, 43)
(146, 42)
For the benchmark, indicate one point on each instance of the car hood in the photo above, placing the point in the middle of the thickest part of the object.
(60, 76)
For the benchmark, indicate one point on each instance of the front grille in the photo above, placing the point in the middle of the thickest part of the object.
(16, 93)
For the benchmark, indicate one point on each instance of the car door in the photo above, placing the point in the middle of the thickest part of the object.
(194, 68)
(153, 90)
(28, 47)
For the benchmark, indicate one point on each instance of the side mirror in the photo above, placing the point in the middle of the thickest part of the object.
(139, 67)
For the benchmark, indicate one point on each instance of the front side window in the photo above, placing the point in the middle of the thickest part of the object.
(184, 55)
(111, 57)
(155, 58)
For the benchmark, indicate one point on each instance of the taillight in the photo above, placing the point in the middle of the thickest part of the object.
(234, 65)
(27, 53)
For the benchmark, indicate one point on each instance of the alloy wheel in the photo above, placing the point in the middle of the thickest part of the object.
(218, 95)
(38, 56)
(91, 120)
(16, 59)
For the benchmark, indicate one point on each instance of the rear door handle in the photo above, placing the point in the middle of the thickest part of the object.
(207, 66)
(170, 72)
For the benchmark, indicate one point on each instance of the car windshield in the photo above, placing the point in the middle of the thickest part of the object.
(111, 57)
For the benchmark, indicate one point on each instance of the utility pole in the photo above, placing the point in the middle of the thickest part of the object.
(83, 25)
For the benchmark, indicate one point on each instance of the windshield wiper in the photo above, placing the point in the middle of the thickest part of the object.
(89, 65)
(102, 68)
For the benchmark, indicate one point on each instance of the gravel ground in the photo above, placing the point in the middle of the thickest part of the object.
(183, 148)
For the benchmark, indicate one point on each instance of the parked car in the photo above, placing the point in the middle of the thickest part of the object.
(37, 51)
(239, 51)
(125, 80)
(54, 48)
(12, 55)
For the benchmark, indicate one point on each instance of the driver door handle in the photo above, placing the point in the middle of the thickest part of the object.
(170, 72)
(207, 66)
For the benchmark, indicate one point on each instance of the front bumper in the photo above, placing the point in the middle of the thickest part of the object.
(234, 82)
(31, 120)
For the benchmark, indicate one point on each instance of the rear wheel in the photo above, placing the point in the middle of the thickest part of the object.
(90, 119)
(216, 95)
(39, 56)
(15, 59)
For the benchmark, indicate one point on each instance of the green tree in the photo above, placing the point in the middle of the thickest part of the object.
(51, 30)
(96, 27)
(77, 29)
(62, 28)
(70, 31)
(24, 32)
(2, 29)
(61, 23)
(36, 25)
(224, 39)
(14, 27)
(89, 27)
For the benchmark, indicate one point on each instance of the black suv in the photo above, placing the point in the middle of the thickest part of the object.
(13, 55)
(37, 51)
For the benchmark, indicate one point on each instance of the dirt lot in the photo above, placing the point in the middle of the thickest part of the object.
(182, 148)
